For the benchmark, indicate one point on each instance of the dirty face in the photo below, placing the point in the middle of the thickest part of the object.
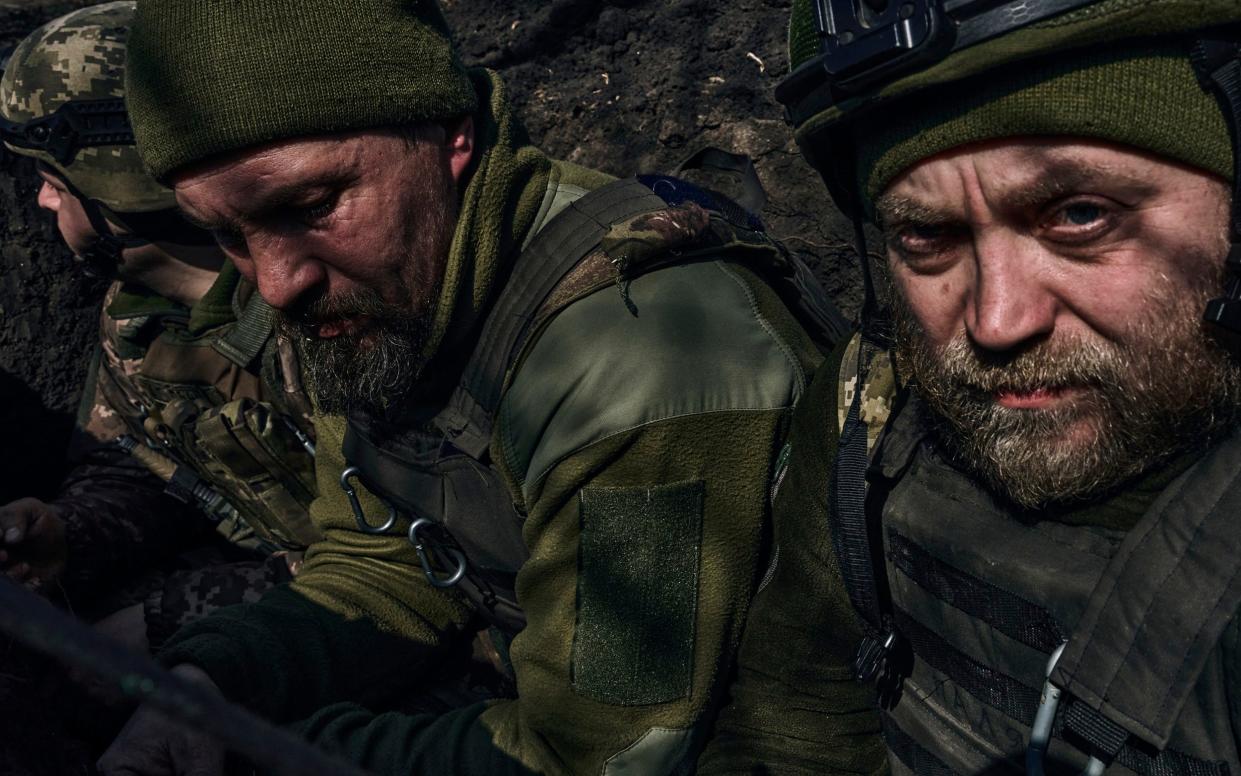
(1048, 301)
(348, 237)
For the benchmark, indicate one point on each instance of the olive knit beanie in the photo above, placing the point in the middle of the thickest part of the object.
(205, 77)
(1112, 70)
(1144, 95)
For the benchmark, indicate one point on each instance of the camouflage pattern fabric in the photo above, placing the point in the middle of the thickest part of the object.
(119, 522)
(235, 428)
(878, 388)
(120, 519)
(187, 596)
(81, 56)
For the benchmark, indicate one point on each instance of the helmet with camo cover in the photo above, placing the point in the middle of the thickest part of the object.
(878, 85)
(62, 102)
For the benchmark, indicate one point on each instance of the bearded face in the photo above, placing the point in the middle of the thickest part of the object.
(347, 236)
(1124, 407)
(1048, 299)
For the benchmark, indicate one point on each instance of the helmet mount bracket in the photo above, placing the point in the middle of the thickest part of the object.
(75, 125)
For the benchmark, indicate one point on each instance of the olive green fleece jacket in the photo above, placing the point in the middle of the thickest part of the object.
(640, 446)
(794, 707)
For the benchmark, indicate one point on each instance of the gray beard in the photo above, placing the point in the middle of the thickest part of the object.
(370, 373)
(1169, 388)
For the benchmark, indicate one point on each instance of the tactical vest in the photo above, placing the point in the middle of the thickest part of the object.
(221, 418)
(441, 480)
(975, 602)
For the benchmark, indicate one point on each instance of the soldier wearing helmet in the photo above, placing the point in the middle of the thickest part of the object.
(194, 414)
(1007, 533)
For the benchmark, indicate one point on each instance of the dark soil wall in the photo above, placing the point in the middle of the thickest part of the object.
(626, 86)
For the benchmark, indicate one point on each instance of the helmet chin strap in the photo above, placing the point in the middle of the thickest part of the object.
(106, 253)
(1217, 61)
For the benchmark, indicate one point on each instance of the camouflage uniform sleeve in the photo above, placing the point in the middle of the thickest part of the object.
(795, 707)
(117, 516)
(360, 621)
(644, 460)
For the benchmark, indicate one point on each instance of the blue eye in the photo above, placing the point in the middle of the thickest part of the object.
(1082, 213)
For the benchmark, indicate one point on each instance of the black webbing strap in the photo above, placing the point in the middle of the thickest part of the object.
(244, 340)
(1006, 612)
(995, 688)
(912, 755)
(1159, 610)
(850, 531)
(1019, 702)
(555, 250)
(1217, 63)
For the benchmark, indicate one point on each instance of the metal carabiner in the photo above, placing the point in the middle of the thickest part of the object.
(458, 557)
(1040, 732)
(358, 515)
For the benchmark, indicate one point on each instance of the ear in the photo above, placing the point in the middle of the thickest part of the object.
(459, 147)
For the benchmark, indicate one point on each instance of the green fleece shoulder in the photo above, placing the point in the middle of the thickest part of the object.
(699, 339)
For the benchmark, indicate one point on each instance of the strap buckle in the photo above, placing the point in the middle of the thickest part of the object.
(873, 655)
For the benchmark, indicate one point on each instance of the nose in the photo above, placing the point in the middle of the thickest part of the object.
(282, 270)
(48, 198)
(1012, 302)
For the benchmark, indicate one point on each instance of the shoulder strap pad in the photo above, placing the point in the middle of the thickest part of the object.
(1159, 610)
(877, 385)
(242, 342)
(574, 233)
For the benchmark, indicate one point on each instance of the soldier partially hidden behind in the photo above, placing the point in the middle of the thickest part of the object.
(1036, 558)
(194, 413)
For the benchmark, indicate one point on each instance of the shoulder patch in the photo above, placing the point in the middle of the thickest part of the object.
(694, 343)
(633, 642)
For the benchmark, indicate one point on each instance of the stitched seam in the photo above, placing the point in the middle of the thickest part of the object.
(767, 327)
(547, 469)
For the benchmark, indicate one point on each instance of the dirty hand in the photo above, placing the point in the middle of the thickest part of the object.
(32, 542)
(154, 744)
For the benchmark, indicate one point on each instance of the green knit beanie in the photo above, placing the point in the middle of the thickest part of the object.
(205, 77)
(1144, 95)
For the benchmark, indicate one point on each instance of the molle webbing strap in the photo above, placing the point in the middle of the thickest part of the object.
(555, 250)
(993, 687)
(1008, 613)
(245, 339)
(912, 755)
(1019, 702)
(1162, 604)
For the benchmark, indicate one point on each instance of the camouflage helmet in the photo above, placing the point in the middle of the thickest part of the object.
(61, 101)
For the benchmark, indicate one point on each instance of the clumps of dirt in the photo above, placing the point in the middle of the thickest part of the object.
(631, 87)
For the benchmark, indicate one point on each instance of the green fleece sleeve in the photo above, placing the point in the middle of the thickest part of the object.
(359, 623)
(627, 641)
(795, 707)
(642, 446)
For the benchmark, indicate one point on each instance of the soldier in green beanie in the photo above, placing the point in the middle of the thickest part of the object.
(1007, 534)
(129, 538)
(549, 401)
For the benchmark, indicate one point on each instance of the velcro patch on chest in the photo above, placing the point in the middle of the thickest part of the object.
(637, 592)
